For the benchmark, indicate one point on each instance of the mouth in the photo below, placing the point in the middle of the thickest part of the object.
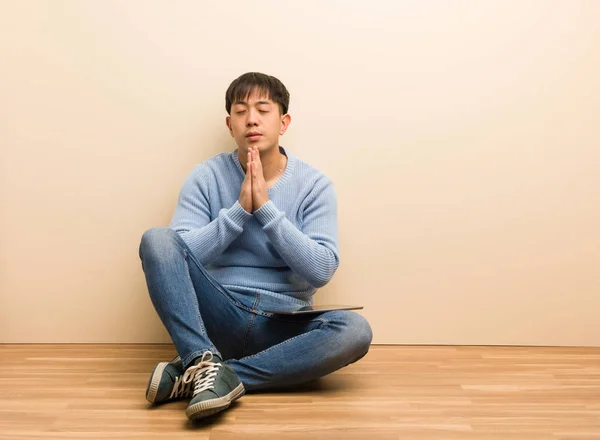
(253, 136)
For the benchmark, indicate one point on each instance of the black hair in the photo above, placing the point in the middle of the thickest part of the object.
(265, 85)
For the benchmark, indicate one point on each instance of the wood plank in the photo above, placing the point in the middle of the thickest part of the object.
(93, 391)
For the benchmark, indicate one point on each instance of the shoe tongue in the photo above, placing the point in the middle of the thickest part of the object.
(203, 376)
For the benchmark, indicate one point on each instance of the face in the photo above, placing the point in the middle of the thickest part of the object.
(256, 122)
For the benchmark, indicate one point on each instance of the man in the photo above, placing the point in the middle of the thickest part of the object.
(254, 230)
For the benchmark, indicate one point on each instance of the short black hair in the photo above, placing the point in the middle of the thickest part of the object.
(265, 85)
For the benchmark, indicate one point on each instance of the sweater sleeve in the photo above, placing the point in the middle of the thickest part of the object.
(312, 253)
(192, 219)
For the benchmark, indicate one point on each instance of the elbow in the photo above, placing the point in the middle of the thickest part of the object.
(320, 282)
(324, 276)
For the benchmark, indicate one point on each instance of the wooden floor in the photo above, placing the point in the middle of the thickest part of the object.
(395, 392)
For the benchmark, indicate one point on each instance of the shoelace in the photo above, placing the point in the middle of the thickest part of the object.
(180, 389)
(203, 374)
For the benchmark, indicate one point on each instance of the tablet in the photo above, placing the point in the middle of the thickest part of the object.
(314, 309)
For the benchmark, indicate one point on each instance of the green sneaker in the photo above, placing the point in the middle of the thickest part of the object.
(216, 385)
(166, 383)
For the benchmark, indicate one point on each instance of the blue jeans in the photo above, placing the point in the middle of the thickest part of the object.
(265, 350)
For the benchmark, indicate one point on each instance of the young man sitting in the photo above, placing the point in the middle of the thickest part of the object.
(254, 230)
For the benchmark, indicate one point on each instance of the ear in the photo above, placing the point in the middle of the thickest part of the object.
(285, 123)
(228, 123)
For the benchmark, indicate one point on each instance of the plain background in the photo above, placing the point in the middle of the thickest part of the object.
(462, 138)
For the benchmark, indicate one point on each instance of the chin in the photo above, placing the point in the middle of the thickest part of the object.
(258, 145)
(262, 145)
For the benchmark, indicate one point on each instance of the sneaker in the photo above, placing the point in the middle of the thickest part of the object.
(216, 385)
(166, 383)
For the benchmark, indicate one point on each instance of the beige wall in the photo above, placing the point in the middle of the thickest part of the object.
(463, 139)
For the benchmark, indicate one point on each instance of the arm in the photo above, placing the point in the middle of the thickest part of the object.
(206, 239)
(312, 252)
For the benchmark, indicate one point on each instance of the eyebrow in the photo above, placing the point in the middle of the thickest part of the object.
(257, 102)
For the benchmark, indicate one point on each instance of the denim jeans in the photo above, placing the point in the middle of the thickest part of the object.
(266, 350)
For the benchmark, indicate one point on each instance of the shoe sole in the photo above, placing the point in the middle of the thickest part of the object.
(155, 381)
(209, 407)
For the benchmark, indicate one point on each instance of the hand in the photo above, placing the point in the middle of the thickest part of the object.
(246, 191)
(259, 185)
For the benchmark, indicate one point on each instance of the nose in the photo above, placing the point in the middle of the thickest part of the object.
(252, 118)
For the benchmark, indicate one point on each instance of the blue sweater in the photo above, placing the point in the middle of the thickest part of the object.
(287, 248)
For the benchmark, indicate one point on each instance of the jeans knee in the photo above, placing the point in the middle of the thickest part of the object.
(156, 242)
(354, 337)
(360, 333)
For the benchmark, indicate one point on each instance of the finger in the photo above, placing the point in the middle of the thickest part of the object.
(258, 163)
